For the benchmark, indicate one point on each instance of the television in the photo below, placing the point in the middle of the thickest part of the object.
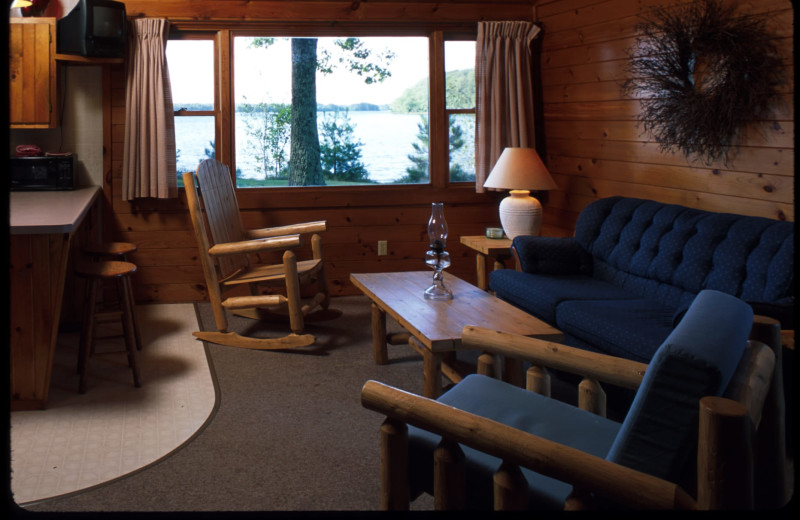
(96, 28)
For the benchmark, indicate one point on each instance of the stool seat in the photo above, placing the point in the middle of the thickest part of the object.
(96, 272)
(110, 248)
(116, 251)
(105, 269)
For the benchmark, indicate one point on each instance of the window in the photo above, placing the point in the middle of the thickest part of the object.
(361, 110)
(323, 110)
(459, 62)
(191, 73)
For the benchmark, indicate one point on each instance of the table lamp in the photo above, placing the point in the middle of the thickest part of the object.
(520, 170)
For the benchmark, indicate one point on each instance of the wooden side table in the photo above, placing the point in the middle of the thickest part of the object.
(498, 249)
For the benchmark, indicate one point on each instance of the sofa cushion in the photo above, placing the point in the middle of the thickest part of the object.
(548, 418)
(644, 243)
(632, 328)
(552, 255)
(540, 294)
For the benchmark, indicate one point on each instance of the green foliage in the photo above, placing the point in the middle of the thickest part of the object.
(340, 154)
(355, 58)
(460, 88)
(271, 129)
(211, 152)
(413, 100)
(460, 93)
(419, 171)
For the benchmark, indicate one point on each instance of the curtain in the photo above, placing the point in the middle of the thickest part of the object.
(504, 92)
(148, 168)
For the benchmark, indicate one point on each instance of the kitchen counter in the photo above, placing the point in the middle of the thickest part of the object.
(38, 212)
(41, 225)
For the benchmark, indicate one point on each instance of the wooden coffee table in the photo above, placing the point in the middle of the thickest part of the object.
(434, 327)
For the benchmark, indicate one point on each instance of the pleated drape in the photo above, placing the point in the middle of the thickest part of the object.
(504, 92)
(148, 168)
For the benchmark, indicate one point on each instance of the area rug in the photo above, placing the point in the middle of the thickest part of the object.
(114, 429)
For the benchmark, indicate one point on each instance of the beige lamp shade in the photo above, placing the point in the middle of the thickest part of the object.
(520, 170)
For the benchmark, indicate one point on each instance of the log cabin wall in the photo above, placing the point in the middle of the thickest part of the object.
(594, 148)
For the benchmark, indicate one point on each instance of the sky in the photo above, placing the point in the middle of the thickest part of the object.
(269, 79)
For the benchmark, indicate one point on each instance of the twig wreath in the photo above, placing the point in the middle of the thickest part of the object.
(702, 76)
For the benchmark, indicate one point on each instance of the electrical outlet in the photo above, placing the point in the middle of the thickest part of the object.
(383, 247)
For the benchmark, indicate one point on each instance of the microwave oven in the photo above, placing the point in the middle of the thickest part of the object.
(43, 173)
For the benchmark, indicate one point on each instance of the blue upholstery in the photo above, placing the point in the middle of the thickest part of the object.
(697, 359)
(646, 324)
(634, 262)
(541, 294)
(658, 436)
(524, 410)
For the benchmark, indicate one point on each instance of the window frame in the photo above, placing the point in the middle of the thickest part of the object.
(216, 111)
(454, 111)
(438, 187)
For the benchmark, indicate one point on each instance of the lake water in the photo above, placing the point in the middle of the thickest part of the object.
(387, 142)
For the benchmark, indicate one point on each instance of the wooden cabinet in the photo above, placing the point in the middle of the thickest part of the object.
(32, 92)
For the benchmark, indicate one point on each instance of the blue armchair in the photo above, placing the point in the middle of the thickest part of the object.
(487, 444)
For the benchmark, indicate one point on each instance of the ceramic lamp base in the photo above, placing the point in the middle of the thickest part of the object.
(520, 214)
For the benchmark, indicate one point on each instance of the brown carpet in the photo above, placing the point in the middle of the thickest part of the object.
(289, 434)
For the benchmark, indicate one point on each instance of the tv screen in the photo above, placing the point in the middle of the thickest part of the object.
(107, 22)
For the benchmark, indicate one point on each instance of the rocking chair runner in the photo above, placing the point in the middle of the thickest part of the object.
(227, 263)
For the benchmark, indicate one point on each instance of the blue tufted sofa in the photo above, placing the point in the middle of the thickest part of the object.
(633, 267)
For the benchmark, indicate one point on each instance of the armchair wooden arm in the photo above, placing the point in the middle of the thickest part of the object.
(256, 246)
(293, 229)
(601, 367)
(613, 481)
(595, 368)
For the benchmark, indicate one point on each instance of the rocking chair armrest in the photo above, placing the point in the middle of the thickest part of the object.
(584, 471)
(256, 246)
(293, 229)
(601, 367)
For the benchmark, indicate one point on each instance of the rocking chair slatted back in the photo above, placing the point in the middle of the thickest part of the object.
(209, 270)
(222, 213)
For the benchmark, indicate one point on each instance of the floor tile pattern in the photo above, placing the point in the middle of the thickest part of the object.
(82, 440)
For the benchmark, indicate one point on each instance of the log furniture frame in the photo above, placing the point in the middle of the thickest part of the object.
(748, 420)
(228, 264)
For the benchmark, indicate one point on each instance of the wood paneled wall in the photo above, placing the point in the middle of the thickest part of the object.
(593, 145)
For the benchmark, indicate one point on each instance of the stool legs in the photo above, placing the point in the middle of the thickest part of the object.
(95, 273)
(129, 327)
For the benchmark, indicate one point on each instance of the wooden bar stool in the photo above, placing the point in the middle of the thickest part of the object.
(117, 251)
(96, 273)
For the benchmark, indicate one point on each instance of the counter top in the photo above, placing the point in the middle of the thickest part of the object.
(45, 212)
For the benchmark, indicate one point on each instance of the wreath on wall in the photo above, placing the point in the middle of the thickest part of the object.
(702, 76)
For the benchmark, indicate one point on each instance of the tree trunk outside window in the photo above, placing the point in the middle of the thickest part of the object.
(304, 163)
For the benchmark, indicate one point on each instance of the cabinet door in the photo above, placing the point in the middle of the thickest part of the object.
(32, 73)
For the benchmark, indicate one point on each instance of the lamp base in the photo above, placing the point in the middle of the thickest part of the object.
(520, 214)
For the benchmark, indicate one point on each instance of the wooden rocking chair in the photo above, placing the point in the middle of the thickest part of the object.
(227, 263)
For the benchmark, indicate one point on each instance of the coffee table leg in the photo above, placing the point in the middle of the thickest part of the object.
(431, 370)
(379, 350)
